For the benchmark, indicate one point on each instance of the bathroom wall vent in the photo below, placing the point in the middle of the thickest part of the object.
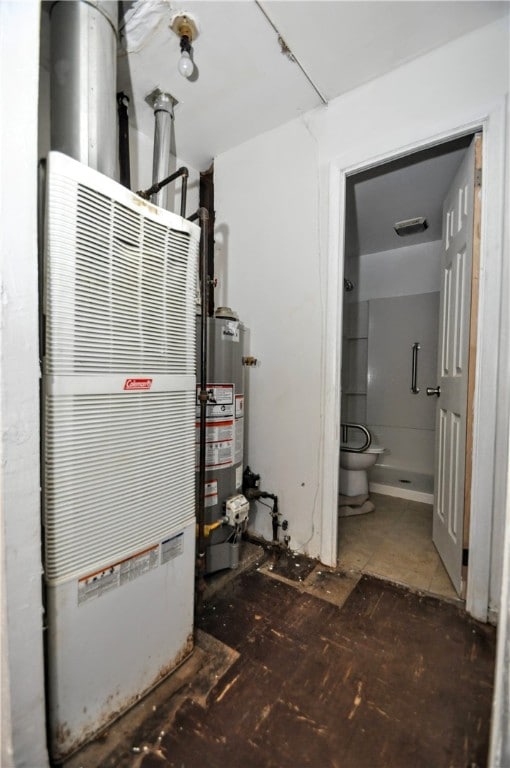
(410, 226)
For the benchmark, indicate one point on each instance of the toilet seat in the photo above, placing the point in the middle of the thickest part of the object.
(352, 449)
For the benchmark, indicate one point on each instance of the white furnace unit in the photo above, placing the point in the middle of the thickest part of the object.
(118, 446)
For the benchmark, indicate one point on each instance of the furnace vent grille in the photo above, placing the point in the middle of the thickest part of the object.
(119, 372)
(119, 475)
(118, 284)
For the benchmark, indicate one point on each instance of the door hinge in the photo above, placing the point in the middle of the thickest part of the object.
(465, 557)
(478, 177)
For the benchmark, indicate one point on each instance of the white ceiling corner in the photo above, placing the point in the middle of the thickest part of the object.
(246, 86)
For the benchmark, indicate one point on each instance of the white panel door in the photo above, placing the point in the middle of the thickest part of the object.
(453, 354)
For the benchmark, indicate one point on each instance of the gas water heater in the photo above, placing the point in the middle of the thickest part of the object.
(226, 509)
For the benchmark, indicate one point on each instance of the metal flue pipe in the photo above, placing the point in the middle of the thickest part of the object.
(83, 82)
(163, 116)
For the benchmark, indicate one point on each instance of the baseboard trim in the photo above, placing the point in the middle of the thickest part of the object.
(402, 493)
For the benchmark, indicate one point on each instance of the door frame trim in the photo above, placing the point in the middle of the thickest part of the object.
(488, 475)
(472, 343)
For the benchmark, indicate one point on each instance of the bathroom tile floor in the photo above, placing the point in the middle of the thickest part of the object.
(394, 543)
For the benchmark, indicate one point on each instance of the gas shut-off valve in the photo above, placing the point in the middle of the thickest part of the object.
(251, 487)
(236, 510)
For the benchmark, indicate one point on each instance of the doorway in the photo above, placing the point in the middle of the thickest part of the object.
(393, 285)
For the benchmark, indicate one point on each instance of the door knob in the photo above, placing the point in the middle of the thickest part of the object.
(434, 391)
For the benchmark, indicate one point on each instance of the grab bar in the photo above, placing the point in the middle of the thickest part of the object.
(414, 368)
(345, 435)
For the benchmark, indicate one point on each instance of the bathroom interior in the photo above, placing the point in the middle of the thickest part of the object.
(389, 348)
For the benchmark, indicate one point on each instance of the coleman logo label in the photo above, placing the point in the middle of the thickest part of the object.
(132, 384)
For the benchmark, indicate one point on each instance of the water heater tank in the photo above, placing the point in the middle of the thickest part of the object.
(225, 510)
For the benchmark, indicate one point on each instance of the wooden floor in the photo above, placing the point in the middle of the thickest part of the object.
(371, 676)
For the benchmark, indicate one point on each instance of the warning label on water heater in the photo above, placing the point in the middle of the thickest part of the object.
(220, 402)
(230, 330)
(211, 493)
(219, 426)
(239, 441)
(217, 455)
(218, 431)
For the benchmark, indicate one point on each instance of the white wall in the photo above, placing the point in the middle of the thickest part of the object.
(272, 197)
(502, 490)
(399, 272)
(396, 283)
(401, 421)
(499, 753)
(269, 235)
(23, 725)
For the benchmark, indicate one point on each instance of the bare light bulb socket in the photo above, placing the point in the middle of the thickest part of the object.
(185, 64)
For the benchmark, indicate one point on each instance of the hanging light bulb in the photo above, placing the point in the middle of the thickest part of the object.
(186, 27)
(185, 64)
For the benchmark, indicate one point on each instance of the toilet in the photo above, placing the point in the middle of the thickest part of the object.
(353, 469)
(353, 485)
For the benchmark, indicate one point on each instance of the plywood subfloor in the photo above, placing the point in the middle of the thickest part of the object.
(390, 679)
(333, 671)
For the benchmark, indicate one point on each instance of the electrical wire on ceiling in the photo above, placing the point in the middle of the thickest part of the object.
(289, 53)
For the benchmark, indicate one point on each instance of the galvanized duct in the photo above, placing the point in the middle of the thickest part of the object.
(83, 82)
(163, 116)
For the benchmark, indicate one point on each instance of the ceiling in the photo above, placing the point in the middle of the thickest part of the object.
(245, 85)
(406, 188)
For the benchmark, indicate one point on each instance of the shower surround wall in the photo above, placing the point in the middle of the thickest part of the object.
(395, 303)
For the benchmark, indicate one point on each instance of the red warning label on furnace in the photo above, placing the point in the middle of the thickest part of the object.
(136, 384)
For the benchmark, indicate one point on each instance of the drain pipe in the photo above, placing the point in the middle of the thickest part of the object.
(163, 116)
(203, 215)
